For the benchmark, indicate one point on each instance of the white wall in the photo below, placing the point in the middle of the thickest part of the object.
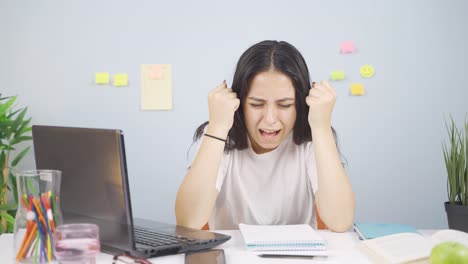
(50, 50)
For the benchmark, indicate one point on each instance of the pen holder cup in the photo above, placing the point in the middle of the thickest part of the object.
(38, 215)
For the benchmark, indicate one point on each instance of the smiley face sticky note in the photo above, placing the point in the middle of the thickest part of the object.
(367, 71)
(347, 47)
(337, 75)
(120, 79)
(156, 71)
(101, 78)
(357, 89)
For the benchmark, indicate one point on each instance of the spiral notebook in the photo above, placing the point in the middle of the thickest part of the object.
(282, 238)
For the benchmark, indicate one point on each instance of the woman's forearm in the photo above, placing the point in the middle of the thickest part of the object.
(334, 197)
(197, 194)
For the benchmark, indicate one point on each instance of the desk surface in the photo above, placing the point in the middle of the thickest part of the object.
(342, 247)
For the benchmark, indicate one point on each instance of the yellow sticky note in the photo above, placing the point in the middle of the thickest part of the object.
(101, 78)
(120, 79)
(357, 89)
(337, 75)
(156, 86)
(367, 71)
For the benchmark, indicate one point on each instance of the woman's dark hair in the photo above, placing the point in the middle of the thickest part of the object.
(269, 55)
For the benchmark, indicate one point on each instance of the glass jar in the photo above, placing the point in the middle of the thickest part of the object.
(39, 213)
(77, 243)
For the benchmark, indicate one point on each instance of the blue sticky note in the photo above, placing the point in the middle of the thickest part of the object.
(374, 230)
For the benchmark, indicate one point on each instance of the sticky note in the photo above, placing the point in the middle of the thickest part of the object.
(101, 78)
(337, 75)
(120, 79)
(156, 89)
(357, 89)
(156, 72)
(348, 47)
(367, 71)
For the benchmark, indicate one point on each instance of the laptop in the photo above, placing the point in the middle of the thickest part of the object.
(95, 189)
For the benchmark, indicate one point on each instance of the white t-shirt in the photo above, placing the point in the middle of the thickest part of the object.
(273, 188)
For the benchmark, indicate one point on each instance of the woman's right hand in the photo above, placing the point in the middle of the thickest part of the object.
(222, 104)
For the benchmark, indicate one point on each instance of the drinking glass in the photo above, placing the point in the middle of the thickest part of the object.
(77, 243)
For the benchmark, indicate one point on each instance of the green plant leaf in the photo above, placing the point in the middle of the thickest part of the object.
(11, 227)
(32, 186)
(2, 165)
(20, 156)
(12, 114)
(8, 207)
(13, 185)
(10, 219)
(456, 162)
(17, 140)
(17, 122)
(23, 128)
(5, 107)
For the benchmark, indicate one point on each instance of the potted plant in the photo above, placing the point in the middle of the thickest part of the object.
(14, 128)
(456, 163)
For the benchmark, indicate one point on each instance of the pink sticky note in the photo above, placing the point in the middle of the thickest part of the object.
(156, 72)
(348, 47)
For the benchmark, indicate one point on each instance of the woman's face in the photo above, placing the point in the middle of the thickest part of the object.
(270, 110)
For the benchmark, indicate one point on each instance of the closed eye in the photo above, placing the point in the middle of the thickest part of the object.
(256, 105)
(286, 106)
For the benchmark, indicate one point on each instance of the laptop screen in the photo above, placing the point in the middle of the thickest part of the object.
(94, 176)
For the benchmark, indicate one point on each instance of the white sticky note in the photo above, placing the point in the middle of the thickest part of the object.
(156, 87)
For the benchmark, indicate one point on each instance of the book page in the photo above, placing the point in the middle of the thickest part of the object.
(400, 248)
(450, 235)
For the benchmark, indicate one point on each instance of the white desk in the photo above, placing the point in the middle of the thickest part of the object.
(342, 250)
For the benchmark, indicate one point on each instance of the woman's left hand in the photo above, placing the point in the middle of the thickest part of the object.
(321, 100)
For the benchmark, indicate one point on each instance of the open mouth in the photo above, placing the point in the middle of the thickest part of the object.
(269, 133)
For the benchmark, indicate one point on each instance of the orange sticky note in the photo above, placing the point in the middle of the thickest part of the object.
(357, 89)
(156, 72)
(347, 47)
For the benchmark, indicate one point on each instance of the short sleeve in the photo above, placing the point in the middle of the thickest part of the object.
(311, 166)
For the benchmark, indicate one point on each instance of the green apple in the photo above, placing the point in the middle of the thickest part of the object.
(449, 252)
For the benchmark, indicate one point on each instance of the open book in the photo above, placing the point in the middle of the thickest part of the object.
(291, 240)
(408, 247)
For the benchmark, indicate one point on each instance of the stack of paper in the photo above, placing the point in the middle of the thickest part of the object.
(301, 240)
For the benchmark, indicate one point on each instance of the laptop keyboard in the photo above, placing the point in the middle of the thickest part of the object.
(152, 238)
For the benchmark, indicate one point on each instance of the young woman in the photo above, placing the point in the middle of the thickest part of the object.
(267, 154)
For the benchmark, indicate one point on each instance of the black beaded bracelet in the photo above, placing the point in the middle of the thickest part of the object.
(208, 135)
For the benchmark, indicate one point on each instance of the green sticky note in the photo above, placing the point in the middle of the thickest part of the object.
(120, 79)
(367, 71)
(337, 75)
(101, 78)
